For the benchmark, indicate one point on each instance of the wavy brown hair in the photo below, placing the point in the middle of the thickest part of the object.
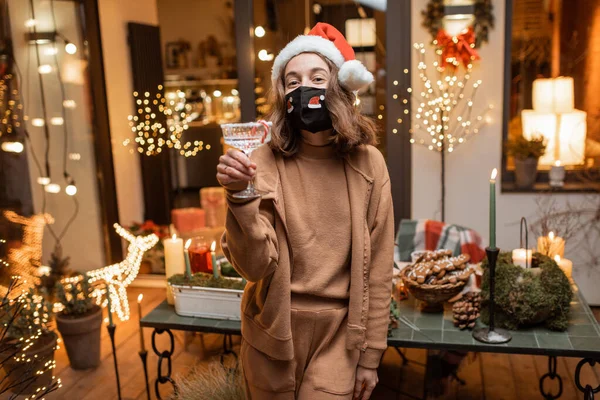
(351, 128)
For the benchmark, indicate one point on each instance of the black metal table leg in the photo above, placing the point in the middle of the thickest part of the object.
(552, 375)
(227, 348)
(164, 355)
(588, 391)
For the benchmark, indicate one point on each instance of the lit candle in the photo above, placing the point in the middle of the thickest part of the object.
(174, 261)
(108, 306)
(551, 245)
(142, 345)
(215, 268)
(565, 265)
(522, 257)
(557, 174)
(493, 209)
(188, 267)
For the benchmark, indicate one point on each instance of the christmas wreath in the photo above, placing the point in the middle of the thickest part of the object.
(484, 19)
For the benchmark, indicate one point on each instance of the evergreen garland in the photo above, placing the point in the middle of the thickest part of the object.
(484, 19)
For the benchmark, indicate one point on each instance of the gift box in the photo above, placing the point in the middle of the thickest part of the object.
(188, 219)
(213, 202)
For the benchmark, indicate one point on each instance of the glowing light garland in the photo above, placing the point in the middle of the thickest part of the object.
(151, 134)
(444, 111)
(26, 259)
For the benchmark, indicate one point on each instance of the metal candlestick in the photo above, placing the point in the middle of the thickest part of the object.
(491, 334)
(111, 332)
(144, 356)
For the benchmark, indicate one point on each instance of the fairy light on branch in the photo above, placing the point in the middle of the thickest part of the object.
(443, 107)
(160, 121)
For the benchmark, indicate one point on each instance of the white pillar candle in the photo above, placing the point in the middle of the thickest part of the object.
(565, 265)
(174, 262)
(551, 245)
(522, 257)
(557, 174)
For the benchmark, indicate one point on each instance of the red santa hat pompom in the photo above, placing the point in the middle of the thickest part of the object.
(327, 41)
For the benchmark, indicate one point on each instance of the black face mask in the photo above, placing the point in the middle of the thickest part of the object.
(306, 109)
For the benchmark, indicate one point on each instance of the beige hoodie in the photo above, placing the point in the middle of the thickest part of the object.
(256, 243)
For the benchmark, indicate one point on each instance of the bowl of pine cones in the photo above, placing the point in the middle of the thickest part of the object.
(436, 277)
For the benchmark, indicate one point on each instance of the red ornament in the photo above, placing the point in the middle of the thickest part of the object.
(460, 48)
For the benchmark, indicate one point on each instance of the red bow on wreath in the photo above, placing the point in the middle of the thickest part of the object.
(460, 48)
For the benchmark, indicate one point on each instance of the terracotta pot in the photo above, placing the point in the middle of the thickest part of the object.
(41, 352)
(525, 172)
(82, 338)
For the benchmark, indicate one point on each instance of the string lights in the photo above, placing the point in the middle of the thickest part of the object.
(118, 276)
(444, 105)
(152, 134)
(11, 111)
(26, 259)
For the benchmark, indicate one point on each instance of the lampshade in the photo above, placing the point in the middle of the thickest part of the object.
(536, 123)
(457, 23)
(571, 135)
(553, 95)
(564, 134)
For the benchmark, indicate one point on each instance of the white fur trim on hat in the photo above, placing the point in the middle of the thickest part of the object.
(353, 75)
(306, 44)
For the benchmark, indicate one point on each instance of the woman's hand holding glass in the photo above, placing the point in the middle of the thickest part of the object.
(235, 170)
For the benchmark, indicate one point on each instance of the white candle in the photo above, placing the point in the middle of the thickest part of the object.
(551, 245)
(557, 174)
(174, 262)
(522, 257)
(565, 265)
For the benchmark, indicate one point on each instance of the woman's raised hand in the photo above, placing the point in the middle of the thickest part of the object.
(235, 170)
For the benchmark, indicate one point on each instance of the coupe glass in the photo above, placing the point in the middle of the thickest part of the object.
(247, 137)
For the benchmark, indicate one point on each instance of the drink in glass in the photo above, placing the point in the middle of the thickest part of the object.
(247, 137)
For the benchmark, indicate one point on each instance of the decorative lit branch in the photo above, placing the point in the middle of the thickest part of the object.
(444, 105)
(151, 134)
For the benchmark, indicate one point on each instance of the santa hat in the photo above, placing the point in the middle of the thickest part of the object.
(327, 41)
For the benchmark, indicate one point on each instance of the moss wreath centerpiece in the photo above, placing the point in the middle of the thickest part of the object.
(526, 297)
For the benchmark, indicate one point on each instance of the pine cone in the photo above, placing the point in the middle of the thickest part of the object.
(466, 310)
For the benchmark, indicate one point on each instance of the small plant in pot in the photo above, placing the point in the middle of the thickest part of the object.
(79, 322)
(27, 345)
(526, 154)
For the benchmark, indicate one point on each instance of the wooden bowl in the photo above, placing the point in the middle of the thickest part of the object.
(431, 296)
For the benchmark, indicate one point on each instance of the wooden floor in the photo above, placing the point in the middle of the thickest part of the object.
(487, 376)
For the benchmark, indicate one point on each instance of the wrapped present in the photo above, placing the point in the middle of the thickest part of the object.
(213, 202)
(188, 219)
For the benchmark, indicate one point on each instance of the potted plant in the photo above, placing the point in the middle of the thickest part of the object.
(203, 295)
(27, 345)
(79, 322)
(526, 154)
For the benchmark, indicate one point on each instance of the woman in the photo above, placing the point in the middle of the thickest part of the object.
(317, 248)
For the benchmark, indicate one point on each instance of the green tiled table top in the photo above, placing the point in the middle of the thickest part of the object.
(436, 331)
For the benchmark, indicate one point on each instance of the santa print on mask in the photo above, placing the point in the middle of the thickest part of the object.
(307, 110)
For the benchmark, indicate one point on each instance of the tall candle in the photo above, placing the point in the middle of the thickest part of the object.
(215, 268)
(551, 245)
(493, 209)
(139, 301)
(110, 320)
(188, 267)
(174, 261)
(565, 265)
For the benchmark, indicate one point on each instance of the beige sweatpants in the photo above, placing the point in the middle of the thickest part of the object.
(322, 369)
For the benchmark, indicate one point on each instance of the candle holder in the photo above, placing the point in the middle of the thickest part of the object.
(144, 356)
(557, 176)
(111, 332)
(491, 334)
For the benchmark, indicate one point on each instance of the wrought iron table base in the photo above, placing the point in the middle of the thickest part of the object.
(164, 355)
